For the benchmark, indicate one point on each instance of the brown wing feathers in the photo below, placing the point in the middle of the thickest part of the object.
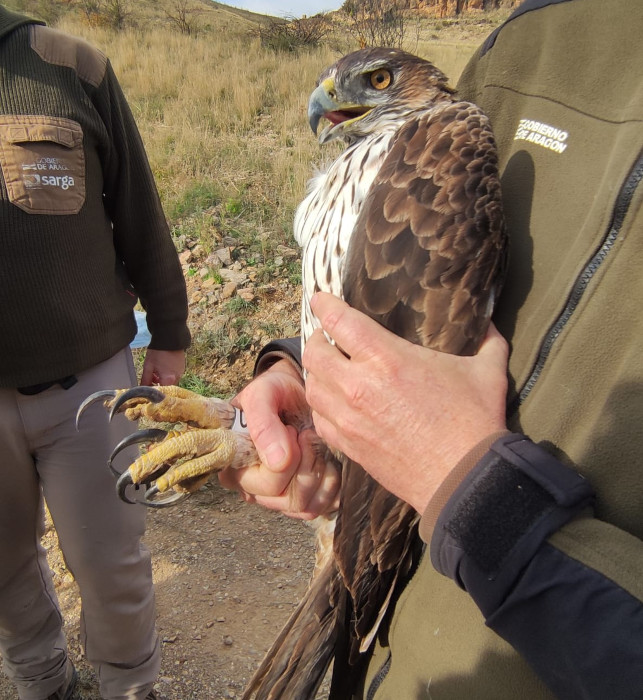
(423, 260)
(424, 256)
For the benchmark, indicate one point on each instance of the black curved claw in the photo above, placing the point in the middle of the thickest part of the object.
(93, 398)
(168, 498)
(124, 480)
(137, 392)
(149, 435)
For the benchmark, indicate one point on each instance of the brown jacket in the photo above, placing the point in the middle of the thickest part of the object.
(83, 232)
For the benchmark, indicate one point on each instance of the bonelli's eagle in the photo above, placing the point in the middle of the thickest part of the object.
(406, 225)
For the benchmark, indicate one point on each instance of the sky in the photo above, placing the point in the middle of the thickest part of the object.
(286, 8)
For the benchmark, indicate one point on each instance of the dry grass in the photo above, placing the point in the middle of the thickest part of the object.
(224, 120)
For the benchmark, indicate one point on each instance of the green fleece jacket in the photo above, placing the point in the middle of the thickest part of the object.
(531, 584)
(548, 602)
(82, 229)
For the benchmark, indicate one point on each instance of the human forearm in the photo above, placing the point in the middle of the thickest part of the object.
(578, 629)
(283, 349)
(504, 509)
(142, 240)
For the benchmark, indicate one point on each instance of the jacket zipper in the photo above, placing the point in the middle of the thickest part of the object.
(378, 678)
(621, 208)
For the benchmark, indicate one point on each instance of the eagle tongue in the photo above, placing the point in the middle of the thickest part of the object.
(341, 116)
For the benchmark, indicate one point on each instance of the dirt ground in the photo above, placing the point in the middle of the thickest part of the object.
(227, 576)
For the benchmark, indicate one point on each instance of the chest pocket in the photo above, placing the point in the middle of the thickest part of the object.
(43, 163)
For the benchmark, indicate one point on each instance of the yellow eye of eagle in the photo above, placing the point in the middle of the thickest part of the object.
(380, 79)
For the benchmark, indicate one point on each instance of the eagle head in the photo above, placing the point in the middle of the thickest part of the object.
(368, 89)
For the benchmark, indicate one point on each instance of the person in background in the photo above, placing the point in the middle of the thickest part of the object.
(83, 236)
(525, 465)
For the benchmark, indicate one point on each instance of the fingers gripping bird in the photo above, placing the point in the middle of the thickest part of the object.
(406, 225)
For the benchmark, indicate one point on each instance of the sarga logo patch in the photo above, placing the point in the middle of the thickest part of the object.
(43, 163)
(34, 181)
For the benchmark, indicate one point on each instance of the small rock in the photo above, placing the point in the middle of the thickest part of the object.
(224, 256)
(246, 294)
(233, 275)
(287, 252)
(228, 290)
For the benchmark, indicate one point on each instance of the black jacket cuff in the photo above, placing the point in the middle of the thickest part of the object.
(276, 350)
(515, 497)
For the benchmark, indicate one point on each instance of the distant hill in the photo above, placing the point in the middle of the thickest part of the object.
(182, 14)
(441, 8)
(245, 14)
(191, 16)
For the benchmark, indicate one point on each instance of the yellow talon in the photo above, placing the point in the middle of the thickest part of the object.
(218, 459)
(202, 451)
(185, 458)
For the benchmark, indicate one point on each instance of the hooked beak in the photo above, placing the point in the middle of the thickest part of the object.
(320, 103)
(323, 104)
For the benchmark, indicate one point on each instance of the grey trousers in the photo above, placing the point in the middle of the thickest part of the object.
(42, 453)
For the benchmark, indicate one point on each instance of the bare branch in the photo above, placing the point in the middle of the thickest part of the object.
(376, 22)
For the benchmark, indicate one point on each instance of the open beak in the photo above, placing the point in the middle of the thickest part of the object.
(323, 104)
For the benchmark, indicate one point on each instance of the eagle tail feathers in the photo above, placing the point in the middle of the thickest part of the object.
(296, 663)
